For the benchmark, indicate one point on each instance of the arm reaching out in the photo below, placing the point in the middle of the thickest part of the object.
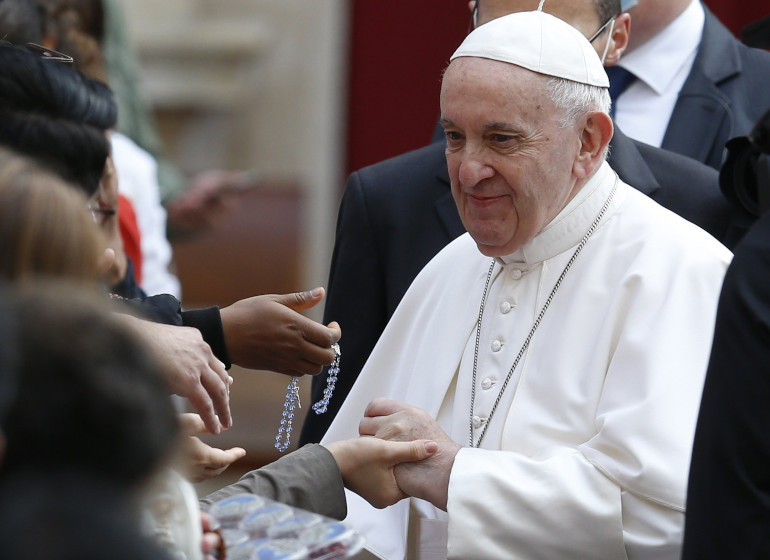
(268, 332)
(367, 465)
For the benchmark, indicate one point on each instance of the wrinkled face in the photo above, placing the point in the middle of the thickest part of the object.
(510, 162)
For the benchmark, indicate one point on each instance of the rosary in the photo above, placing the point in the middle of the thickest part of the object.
(283, 438)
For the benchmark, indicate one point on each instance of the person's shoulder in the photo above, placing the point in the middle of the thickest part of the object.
(428, 160)
(665, 231)
(718, 40)
(665, 163)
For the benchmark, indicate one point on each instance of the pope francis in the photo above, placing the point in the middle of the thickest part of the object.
(557, 351)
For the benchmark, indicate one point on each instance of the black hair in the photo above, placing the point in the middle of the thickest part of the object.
(55, 115)
(90, 399)
(8, 357)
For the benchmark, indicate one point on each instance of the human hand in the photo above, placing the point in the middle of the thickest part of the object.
(392, 420)
(211, 542)
(200, 461)
(191, 369)
(268, 332)
(367, 465)
(207, 198)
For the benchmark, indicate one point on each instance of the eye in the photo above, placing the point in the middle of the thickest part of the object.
(502, 138)
(452, 135)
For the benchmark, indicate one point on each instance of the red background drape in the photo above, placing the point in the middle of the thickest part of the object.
(398, 51)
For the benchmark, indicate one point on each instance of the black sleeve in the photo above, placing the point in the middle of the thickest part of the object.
(728, 499)
(209, 322)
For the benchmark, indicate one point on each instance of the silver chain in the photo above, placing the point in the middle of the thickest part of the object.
(535, 325)
(292, 402)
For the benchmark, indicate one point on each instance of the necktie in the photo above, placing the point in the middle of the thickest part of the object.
(620, 79)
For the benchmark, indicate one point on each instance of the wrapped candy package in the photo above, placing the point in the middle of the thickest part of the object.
(256, 528)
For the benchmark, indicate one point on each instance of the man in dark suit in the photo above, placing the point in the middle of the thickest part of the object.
(728, 498)
(397, 214)
(723, 95)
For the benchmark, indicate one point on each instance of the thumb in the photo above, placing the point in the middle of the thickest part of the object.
(411, 451)
(302, 300)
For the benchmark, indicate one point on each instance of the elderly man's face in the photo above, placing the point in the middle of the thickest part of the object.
(509, 160)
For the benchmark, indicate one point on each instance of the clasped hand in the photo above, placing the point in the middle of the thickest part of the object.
(428, 479)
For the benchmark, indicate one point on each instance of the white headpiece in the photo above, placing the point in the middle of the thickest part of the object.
(539, 42)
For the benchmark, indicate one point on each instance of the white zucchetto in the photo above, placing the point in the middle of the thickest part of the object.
(539, 42)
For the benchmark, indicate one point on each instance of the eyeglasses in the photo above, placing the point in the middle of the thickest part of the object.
(45, 53)
(601, 29)
(101, 212)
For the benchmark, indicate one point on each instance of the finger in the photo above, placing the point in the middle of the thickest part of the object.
(217, 386)
(302, 300)
(369, 426)
(223, 458)
(334, 326)
(383, 407)
(191, 424)
(411, 451)
(201, 401)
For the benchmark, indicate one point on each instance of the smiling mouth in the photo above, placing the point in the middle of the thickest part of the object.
(483, 200)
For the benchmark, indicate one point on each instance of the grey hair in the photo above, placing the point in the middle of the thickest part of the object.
(576, 99)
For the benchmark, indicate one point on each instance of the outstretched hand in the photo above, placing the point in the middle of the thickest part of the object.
(191, 369)
(396, 421)
(200, 461)
(367, 465)
(269, 332)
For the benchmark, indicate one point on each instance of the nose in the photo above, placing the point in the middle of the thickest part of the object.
(473, 170)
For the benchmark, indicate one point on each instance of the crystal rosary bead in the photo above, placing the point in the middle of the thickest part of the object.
(292, 402)
(283, 437)
(331, 381)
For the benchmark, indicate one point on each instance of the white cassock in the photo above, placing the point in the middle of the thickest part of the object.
(587, 453)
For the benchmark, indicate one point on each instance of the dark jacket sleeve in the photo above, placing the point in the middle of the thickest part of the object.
(307, 478)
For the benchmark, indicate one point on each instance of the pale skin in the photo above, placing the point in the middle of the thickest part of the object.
(512, 168)
(511, 165)
(200, 461)
(368, 465)
(191, 369)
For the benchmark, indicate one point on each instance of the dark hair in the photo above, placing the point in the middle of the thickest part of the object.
(55, 115)
(607, 9)
(8, 356)
(21, 21)
(90, 399)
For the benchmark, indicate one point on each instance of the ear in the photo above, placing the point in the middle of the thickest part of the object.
(619, 39)
(471, 5)
(596, 135)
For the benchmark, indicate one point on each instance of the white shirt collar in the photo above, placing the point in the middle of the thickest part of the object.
(571, 224)
(660, 60)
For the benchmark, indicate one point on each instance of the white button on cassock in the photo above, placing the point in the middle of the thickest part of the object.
(478, 421)
(505, 307)
(496, 345)
(487, 383)
(516, 273)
